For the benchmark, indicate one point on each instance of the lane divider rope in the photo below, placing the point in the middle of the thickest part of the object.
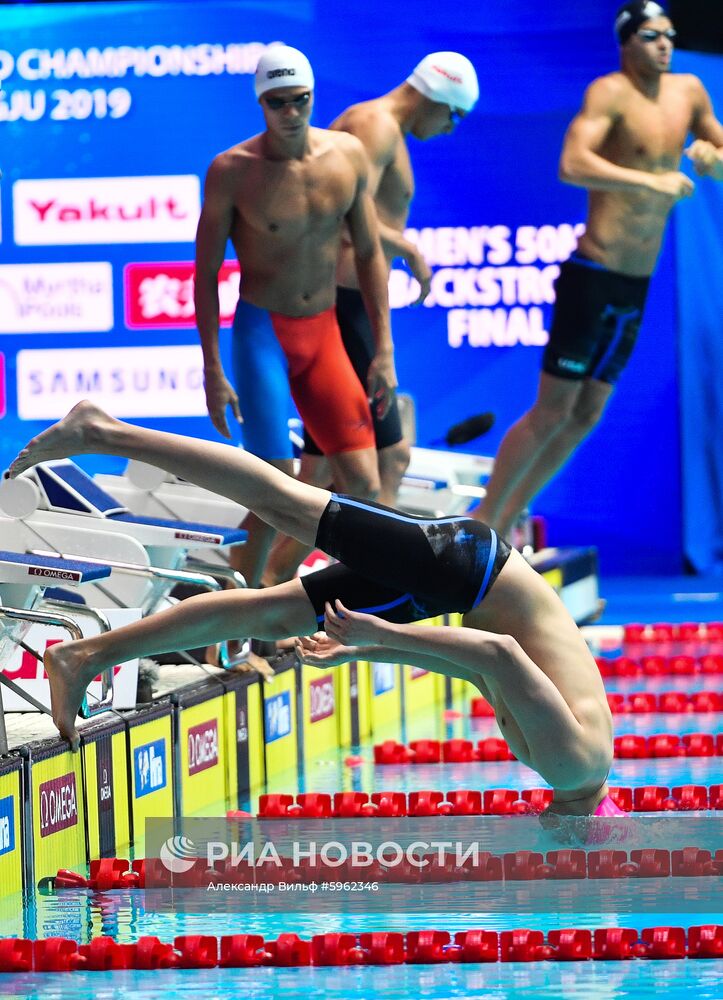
(423, 947)
(473, 802)
(108, 874)
(637, 703)
(658, 665)
(627, 747)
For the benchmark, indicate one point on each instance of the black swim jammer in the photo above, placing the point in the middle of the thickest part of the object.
(400, 567)
(596, 321)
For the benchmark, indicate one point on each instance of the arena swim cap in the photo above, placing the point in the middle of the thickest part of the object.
(448, 78)
(283, 66)
(629, 18)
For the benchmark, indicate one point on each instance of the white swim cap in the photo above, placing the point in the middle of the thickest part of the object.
(448, 78)
(282, 66)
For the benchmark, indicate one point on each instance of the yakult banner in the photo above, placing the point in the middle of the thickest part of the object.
(106, 210)
(110, 117)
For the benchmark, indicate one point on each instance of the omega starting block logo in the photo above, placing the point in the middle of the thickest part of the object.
(7, 825)
(202, 746)
(198, 536)
(149, 764)
(58, 804)
(55, 574)
(321, 698)
(278, 716)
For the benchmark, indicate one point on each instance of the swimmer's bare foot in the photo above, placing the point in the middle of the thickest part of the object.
(247, 661)
(67, 671)
(78, 432)
(255, 662)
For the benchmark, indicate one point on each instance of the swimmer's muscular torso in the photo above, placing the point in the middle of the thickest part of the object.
(391, 180)
(522, 605)
(643, 133)
(287, 218)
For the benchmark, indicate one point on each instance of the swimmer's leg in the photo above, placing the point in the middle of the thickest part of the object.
(250, 558)
(261, 380)
(287, 553)
(279, 500)
(269, 614)
(393, 463)
(574, 425)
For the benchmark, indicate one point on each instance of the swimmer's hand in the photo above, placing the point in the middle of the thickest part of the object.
(421, 271)
(382, 382)
(706, 159)
(352, 628)
(321, 651)
(220, 394)
(673, 184)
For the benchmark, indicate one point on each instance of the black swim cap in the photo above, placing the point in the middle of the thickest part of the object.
(631, 15)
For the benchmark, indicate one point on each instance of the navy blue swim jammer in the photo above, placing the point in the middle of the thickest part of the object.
(596, 321)
(401, 567)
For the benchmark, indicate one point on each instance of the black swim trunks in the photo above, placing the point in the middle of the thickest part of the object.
(356, 333)
(399, 567)
(596, 321)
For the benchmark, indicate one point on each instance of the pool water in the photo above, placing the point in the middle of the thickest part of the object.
(121, 914)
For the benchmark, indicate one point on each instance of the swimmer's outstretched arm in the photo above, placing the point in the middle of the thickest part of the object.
(321, 651)
(558, 749)
(472, 650)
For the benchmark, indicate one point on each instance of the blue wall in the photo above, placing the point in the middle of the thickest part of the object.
(622, 491)
(699, 232)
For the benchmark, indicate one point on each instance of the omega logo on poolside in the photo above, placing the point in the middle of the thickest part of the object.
(202, 746)
(58, 804)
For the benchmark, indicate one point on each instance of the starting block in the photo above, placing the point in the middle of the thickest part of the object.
(24, 582)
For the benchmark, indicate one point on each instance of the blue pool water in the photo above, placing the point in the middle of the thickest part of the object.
(122, 915)
(546, 981)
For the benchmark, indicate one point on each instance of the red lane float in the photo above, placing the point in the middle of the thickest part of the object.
(636, 633)
(657, 665)
(420, 947)
(466, 802)
(628, 746)
(636, 703)
(514, 866)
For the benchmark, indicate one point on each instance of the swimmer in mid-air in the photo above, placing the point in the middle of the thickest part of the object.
(518, 644)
